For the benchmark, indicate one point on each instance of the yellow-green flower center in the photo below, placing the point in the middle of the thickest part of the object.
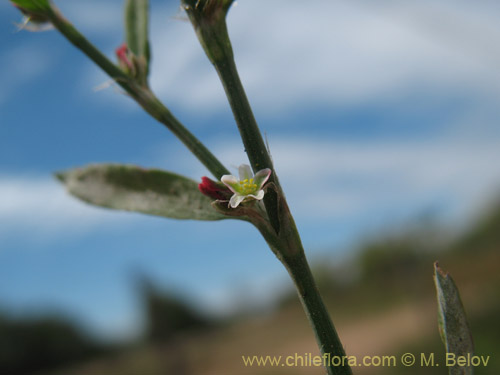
(247, 186)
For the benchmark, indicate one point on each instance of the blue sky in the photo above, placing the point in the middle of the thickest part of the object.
(375, 112)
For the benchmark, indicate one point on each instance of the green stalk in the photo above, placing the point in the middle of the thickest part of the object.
(250, 133)
(140, 93)
(289, 250)
(208, 19)
(317, 314)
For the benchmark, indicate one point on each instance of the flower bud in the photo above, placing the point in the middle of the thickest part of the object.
(35, 15)
(214, 190)
(208, 18)
(124, 61)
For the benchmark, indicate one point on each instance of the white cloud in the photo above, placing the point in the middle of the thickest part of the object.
(323, 179)
(391, 176)
(331, 53)
(335, 52)
(38, 208)
(328, 179)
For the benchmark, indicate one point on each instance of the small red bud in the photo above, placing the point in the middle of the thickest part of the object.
(214, 190)
(122, 54)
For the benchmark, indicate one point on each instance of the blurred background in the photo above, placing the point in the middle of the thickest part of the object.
(383, 123)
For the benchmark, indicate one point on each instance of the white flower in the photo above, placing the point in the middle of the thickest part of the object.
(247, 186)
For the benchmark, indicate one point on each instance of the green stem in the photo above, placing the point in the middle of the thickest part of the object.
(208, 19)
(290, 252)
(250, 133)
(140, 93)
(326, 335)
(245, 119)
(210, 25)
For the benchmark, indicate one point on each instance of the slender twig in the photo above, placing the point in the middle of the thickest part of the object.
(250, 133)
(208, 19)
(334, 357)
(140, 93)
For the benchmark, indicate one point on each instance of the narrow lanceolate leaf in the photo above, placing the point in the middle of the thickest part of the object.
(453, 326)
(149, 191)
(136, 25)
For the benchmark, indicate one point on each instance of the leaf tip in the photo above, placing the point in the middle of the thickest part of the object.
(438, 271)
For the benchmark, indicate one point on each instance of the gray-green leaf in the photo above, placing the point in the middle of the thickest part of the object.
(136, 25)
(131, 188)
(453, 326)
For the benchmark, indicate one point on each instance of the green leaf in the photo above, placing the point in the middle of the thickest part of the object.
(33, 5)
(131, 188)
(453, 326)
(136, 26)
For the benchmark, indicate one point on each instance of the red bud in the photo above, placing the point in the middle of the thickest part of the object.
(214, 190)
(122, 54)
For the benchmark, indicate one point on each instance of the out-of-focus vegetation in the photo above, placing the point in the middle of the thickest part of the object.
(382, 299)
(167, 316)
(28, 345)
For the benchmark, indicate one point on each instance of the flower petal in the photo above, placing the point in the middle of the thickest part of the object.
(262, 176)
(236, 199)
(231, 182)
(245, 172)
(259, 195)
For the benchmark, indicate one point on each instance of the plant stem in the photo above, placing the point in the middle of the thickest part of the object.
(210, 26)
(208, 19)
(326, 335)
(140, 93)
(289, 250)
(250, 133)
